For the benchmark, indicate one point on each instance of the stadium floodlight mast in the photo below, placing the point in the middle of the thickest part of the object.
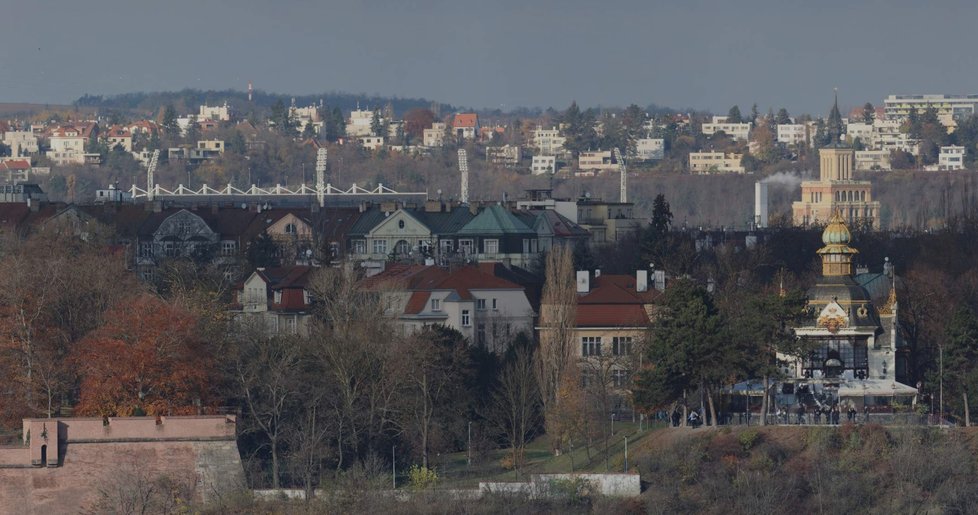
(321, 176)
(463, 167)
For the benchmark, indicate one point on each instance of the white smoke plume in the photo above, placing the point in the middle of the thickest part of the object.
(786, 179)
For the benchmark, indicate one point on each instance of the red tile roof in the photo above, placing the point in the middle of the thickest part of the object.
(417, 302)
(15, 165)
(465, 120)
(598, 315)
(420, 278)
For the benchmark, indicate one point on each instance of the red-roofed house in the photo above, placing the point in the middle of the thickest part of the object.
(276, 298)
(613, 316)
(118, 136)
(466, 126)
(486, 308)
(15, 170)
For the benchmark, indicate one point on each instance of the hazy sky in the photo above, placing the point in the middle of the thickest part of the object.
(707, 54)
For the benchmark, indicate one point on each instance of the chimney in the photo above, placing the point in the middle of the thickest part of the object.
(433, 206)
(888, 267)
(583, 281)
(641, 280)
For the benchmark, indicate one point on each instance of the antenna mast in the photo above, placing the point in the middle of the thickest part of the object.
(463, 167)
(321, 176)
(623, 194)
(150, 170)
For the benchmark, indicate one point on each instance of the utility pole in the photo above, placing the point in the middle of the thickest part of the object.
(940, 349)
(469, 461)
(393, 468)
(626, 454)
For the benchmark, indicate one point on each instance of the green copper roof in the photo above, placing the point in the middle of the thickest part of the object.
(495, 220)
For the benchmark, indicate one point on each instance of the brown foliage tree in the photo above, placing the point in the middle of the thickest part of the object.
(145, 358)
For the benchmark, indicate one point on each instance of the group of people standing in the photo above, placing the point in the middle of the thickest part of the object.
(831, 413)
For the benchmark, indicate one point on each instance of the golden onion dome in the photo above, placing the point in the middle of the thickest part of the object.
(836, 232)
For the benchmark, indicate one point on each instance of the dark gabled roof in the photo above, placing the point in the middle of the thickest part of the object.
(495, 219)
(444, 222)
(560, 225)
(334, 224)
(366, 222)
(228, 223)
(284, 277)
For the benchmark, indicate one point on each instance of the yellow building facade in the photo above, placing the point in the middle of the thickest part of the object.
(836, 192)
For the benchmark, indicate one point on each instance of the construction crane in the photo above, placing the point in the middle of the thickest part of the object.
(623, 194)
(463, 167)
(150, 170)
(321, 176)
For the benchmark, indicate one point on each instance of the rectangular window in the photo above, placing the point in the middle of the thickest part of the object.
(229, 247)
(466, 319)
(380, 246)
(293, 325)
(494, 304)
(146, 249)
(480, 304)
(526, 245)
(590, 346)
(621, 345)
(446, 246)
(480, 335)
(491, 246)
(278, 297)
(359, 247)
(435, 304)
(619, 378)
(465, 247)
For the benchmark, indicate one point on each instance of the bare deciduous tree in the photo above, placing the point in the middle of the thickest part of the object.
(557, 320)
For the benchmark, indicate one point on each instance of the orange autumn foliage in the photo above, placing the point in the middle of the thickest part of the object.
(145, 357)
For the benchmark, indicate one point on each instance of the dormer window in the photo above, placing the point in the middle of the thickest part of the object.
(278, 297)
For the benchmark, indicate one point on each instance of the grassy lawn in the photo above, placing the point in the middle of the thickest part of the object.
(453, 471)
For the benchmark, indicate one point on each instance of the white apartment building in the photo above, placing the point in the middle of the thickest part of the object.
(873, 160)
(371, 142)
(951, 158)
(359, 124)
(21, 143)
(596, 161)
(543, 165)
(305, 116)
(435, 136)
(67, 146)
(715, 162)
(548, 142)
(888, 136)
(738, 131)
(648, 149)
(949, 107)
(220, 113)
(792, 133)
(861, 130)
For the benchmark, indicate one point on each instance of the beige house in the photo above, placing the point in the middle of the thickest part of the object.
(737, 131)
(435, 136)
(597, 161)
(715, 162)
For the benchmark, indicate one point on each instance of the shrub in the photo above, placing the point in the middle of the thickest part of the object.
(422, 478)
(749, 438)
